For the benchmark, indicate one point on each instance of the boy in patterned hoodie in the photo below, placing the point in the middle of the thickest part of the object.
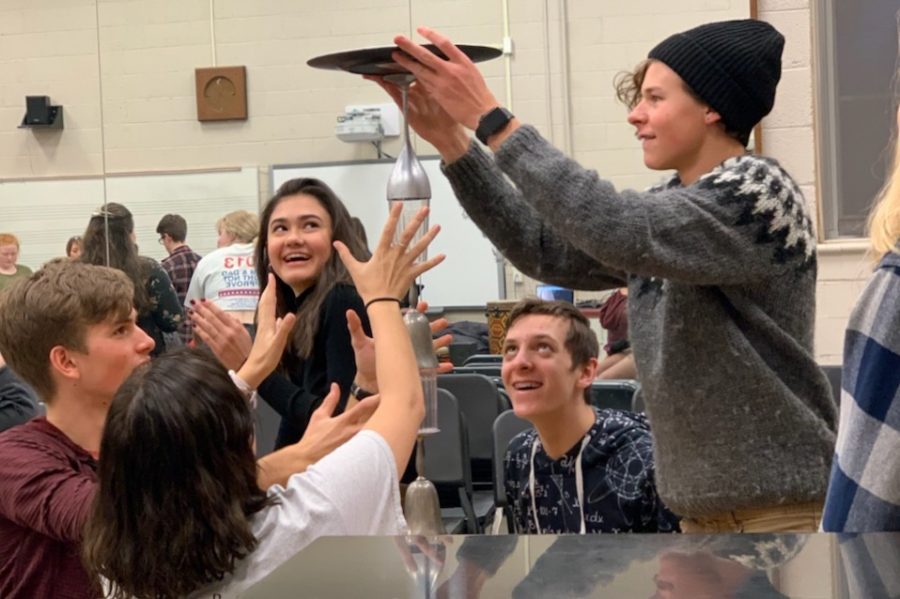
(719, 261)
(580, 470)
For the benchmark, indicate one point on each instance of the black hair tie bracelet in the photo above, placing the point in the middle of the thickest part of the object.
(383, 299)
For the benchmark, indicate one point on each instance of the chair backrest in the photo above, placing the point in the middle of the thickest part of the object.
(506, 426)
(479, 401)
(483, 359)
(833, 372)
(446, 453)
(617, 394)
(505, 401)
(489, 370)
(460, 352)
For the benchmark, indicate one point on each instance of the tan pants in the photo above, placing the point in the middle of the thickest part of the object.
(800, 517)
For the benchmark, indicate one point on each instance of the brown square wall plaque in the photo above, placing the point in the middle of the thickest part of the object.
(221, 93)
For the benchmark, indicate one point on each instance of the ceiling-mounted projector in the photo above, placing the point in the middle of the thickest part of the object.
(359, 125)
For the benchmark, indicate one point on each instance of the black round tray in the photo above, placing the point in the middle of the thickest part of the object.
(378, 61)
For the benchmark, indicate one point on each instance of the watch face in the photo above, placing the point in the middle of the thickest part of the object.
(491, 123)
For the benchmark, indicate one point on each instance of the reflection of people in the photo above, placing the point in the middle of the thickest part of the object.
(863, 494)
(704, 575)
(179, 440)
(870, 565)
(690, 566)
(73, 247)
(181, 262)
(719, 260)
(9, 256)
(581, 469)
(226, 276)
(110, 236)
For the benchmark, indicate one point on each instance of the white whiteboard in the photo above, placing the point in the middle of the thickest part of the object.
(468, 276)
(45, 214)
(201, 198)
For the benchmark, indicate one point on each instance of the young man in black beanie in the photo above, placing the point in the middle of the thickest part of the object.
(719, 261)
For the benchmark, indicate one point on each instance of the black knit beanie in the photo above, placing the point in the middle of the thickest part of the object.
(734, 66)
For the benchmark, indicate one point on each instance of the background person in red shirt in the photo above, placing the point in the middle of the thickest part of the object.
(619, 361)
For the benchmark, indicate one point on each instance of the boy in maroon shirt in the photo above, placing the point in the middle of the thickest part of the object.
(69, 330)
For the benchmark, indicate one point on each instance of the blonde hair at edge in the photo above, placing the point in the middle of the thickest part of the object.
(242, 224)
(884, 224)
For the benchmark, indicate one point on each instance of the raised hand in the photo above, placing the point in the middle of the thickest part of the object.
(364, 348)
(325, 433)
(222, 332)
(429, 120)
(271, 337)
(456, 84)
(392, 268)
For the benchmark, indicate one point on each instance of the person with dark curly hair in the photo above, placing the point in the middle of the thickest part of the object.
(109, 241)
(179, 510)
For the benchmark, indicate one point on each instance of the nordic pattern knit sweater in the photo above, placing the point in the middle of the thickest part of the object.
(721, 277)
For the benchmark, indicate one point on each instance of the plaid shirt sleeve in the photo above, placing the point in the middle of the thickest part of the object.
(864, 491)
(180, 267)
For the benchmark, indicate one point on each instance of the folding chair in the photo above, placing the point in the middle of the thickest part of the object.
(447, 466)
(506, 426)
(505, 401)
(617, 394)
(480, 402)
(480, 359)
(488, 370)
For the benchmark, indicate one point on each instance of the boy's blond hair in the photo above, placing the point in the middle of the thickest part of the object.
(244, 225)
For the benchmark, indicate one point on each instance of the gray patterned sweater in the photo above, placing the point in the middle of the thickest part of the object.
(721, 277)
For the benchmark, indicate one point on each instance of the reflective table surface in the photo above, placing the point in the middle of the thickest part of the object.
(656, 566)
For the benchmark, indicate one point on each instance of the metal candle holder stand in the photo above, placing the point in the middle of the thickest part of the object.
(409, 183)
(421, 505)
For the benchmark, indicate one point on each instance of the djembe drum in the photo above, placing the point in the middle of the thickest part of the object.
(498, 320)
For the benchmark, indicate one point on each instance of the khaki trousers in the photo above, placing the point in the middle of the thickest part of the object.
(800, 517)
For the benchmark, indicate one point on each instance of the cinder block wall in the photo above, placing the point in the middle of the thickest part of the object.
(789, 135)
(123, 69)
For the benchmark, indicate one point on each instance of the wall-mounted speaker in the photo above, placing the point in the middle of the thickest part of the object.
(40, 113)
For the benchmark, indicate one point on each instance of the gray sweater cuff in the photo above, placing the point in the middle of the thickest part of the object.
(523, 140)
(471, 166)
(469, 171)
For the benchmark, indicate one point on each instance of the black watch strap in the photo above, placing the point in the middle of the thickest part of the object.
(492, 122)
(358, 392)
